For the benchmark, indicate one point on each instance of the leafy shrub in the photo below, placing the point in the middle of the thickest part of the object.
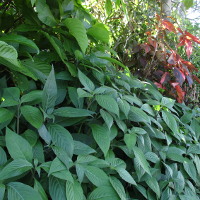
(75, 127)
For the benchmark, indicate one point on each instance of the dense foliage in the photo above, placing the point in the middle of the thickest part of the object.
(76, 124)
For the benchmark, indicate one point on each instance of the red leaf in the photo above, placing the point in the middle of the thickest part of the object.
(182, 41)
(168, 25)
(189, 80)
(179, 29)
(165, 78)
(159, 85)
(189, 36)
(190, 66)
(152, 42)
(174, 84)
(196, 78)
(180, 94)
(179, 75)
(188, 48)
(146, 47)
(172, 59)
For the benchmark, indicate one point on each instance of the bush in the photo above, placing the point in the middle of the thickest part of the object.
(75, 127)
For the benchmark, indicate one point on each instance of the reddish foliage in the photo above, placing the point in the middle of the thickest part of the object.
(176, 70)
(168, 25)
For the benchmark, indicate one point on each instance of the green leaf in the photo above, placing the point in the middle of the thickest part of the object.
(188, 3)
(62, 138)
(72, 112)
(118, 187)
(97, 176)
(74, 191)
(190, 169)
(170, 121)
(108, 7)
(5, 115)
(20, 191)
(44, 13)
(35, 96)
(39, 189)
(107, 118)
(141, 159)
(30, 136)
(102, 137)
(33, 115)
(153, 184)
(77, 29)
(10, 97)
(130, 140)
(124, 174)
(86, 82)
(82, 149)
(104, 193)
(108, 102)
(124, 106)
(56, 43)
(151, 156)
(17, 146)
(112, 60)
(15, 168)
(99, 32)
(2, 191)
(8, 57)
(49, 94)
(57, 188)
(13, 38)
(137, 115)
(3, 157)
(44, 134)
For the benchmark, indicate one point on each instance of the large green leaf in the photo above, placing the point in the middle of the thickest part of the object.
(13, 38)
(141, 159)
(17, 146)
(72, 112)
(10, 97)
(138, 115)
(170, 121)
(102, 137)
(40, 190)
(108, 102)
(49, 94)
(104, 193)
(33, 115)
(74, 191)
(2, 191)
(60, 51)
(5, 115)
(125, 175)
(153, 184)
(33, 96)
(107, 118)
(117, 185)
(57, 188)
(99, 32)
(97, 176)
(44, 13)
(85, 81)
(62, 138)
(8, 57)
(20, 191)
(77, 30)
(15, 168)
(190, 169)
(82, 149)
(3, 157)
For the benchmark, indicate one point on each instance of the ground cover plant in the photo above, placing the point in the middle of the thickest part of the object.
(73, 126)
